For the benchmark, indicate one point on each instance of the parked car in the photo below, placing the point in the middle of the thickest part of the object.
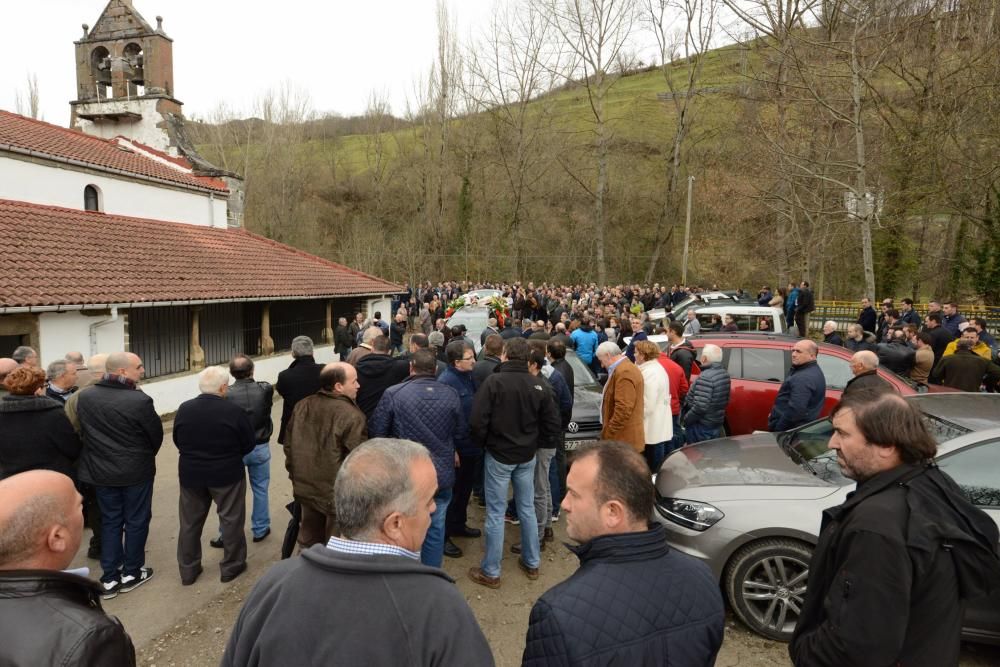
(758, 364)
(679, 311)
(586, 423)
(750, 506)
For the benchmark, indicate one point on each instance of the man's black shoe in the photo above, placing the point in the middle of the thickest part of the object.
(226, 578)
(216, 543)
(262, 536)
(465, 531)
(94, 552)
(451, 550)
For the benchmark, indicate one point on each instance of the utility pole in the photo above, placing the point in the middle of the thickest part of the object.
(687, 233)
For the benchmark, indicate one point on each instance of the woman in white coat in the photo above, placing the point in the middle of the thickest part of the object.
(657, 419)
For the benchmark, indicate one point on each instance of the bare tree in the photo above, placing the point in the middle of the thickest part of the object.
(27, 102)
(595, 32)
(698, 24)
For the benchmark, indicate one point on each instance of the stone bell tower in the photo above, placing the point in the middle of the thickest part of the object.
(125, 88)
(125, 78)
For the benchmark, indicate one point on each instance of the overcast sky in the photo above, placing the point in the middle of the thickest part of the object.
(232, 50)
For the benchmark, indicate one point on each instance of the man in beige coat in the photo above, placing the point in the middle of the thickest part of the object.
(323, 430)
(622, 403)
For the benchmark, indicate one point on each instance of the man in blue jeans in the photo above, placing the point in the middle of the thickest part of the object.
(121, 435)
(256, 399)
(512, 414)
(424, 410)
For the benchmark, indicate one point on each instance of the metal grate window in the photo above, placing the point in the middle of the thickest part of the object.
(297, 318)
(161, 337)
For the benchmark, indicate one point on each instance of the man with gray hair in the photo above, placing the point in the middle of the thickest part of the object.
(864, 365)
(299, 380)
(212, 436)
(364, 597)
(50, 615)
(830, 334)
(25, 356)
(61, 376)
(365, 347)
(705, 404)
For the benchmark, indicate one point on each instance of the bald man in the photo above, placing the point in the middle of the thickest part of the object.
(49, 616)
(864, 365)
(801, 396)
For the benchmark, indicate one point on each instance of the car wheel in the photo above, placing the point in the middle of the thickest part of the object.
(765, 582)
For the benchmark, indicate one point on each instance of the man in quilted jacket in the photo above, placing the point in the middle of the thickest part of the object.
(424, 410)
(634, 600)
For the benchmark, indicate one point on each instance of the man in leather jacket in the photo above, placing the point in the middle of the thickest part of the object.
(897, 560)
(255, 398)
(49, 616)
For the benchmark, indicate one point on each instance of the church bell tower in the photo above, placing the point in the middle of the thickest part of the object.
(125, 79)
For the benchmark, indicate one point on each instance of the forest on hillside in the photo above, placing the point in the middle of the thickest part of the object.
(852, 143)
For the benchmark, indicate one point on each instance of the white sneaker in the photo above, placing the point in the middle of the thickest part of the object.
(110, 589)
(555, 518)
(131, 582)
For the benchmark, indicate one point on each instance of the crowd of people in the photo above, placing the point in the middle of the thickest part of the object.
(387, 448)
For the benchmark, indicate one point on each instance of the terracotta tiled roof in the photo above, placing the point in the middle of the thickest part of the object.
(59, 256)
(47, 140)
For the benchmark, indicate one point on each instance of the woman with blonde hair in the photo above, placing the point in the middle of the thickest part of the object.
(657, 418)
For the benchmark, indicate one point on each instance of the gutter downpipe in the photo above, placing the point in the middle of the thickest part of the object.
(95, 325)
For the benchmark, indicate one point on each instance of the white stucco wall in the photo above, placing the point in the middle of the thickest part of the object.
(143, 130)
(383, 306)
(59, 333)
(169, 393)
(60, 185)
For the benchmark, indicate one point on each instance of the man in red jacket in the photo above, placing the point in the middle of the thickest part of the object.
(678, 390)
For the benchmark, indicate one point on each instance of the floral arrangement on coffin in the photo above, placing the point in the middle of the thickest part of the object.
(498, 309)
(454, 305)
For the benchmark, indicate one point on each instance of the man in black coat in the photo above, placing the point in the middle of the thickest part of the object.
(804, 304)
(299, 380)
(121, 435)
(488, 363)
(256, 399)
(343, 341)
(377, 372)
(895, 354)
(212, 436)
(50, 616)
(897, 560)
(803, 392)
(867, 318)
(864, 365)
(634, 600)
(940, 336)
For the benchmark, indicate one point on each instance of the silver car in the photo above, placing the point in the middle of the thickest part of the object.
(750, 506)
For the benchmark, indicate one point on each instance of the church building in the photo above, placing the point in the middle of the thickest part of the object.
(117, 235)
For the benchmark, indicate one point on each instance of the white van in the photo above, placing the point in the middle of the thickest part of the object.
(755, 319)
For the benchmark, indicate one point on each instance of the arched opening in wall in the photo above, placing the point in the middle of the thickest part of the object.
(134, 73)
(92, 198)
(100, 71)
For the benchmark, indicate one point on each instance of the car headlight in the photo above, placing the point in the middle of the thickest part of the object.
(690, 513)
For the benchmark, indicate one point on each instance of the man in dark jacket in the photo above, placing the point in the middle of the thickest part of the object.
(895, 354)
(363, 598)
(965, 370)
(511, 413)
(707, 398)
(485, 367)
(801, 396)
(212, 437)
(682, 352)
(397, 330)
(897, 560)
(256, 400)
(121, 435)
(377, 372)
(804, 305)
(867, 318)
(424, 410)
(458, 376)
(343, 341)
(324, 429)
(940, 337)
(62, 376)
(50, 616)
(634, 600)
(830, 335)
(299, 380)
(864, 366)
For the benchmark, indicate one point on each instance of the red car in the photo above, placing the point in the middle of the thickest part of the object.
(758, 364)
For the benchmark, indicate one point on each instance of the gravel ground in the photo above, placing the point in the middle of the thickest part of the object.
(200, 638)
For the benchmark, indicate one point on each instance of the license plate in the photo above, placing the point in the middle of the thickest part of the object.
(573, 444)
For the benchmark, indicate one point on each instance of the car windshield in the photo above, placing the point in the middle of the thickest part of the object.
(809, 446)
(582, 377)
